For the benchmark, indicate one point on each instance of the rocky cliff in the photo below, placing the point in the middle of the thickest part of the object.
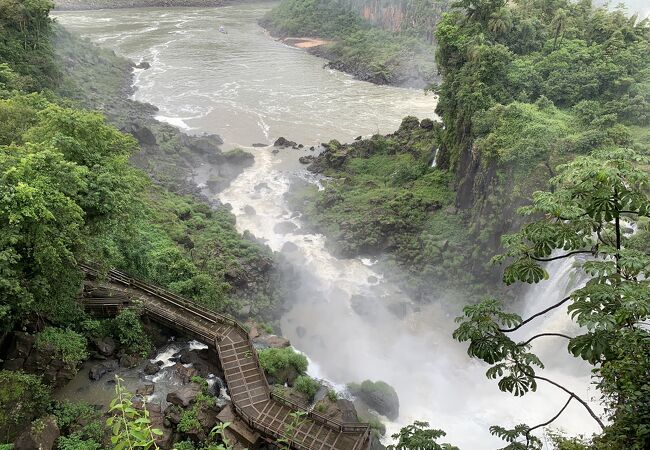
(401, 15)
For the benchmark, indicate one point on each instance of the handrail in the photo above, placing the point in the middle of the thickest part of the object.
(212, 317)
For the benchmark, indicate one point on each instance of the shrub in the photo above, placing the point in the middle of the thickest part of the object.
(80, 424)
(67, 345)
(67, 413)
(307, 386)
(275, 359)
(74, 442)
(22, 398)
(332, 395)
(130, 333)
(184, 445)
(189, 421)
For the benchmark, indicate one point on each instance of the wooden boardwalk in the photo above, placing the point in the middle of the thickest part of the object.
(253, 400)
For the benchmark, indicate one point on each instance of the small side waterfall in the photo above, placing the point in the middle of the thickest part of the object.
(434, 158)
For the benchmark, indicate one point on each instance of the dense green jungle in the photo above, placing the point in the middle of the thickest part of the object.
(537, 152)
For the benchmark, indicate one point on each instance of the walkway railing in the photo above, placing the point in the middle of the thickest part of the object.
(208, 334)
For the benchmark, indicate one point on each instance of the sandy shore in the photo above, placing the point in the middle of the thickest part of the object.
(305, 42)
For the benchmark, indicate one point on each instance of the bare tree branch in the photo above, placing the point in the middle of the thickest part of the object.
(541, 313)
(548, 421)
(543, 334)
(559, 386)
(591, 252)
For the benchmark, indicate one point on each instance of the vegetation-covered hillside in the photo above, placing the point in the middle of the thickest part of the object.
(526, 86)
(404, 58)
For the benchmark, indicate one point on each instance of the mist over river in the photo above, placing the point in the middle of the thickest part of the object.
(249, 88)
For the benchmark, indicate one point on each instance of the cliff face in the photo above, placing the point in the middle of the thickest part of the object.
(401, 15)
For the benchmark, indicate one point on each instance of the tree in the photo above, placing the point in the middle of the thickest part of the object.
(64, 181)
(594, 201)
(500, 21)
(419, 436)
(559, 25)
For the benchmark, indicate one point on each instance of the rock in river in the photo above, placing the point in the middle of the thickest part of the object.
(285, 227)
(283, 142)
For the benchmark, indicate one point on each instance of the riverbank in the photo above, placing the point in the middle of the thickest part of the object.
(73, 5)
(354, 46)
(183, 217)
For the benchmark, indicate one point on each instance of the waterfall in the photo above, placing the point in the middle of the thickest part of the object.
(434, 158)
(343, 316)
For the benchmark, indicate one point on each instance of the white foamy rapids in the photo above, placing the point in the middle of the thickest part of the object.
(434, 378)
(178, 122)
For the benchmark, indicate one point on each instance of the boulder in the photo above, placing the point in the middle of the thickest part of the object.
(141, 133)
(13, 364)
(143, 65)
(261, 187)
(173, 414)
(409, 123)
(378, 395)
(129, 361)
(426, 124)
(145, 389)
(272, 341)
(306, 159)
(283, 142)
(253, 332)
(184, 373)
(99, 370)
(184, 396)
(105, 346)
(22, 345)
(285, 227)
(249, 210)
(41, 435)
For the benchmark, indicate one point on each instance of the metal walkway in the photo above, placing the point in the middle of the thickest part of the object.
(253, 400)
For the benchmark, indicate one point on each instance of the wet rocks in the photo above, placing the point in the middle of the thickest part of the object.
(130, 361)
(98, 371)
(143, 65)
(285, 227)
(306, 159)
(259, 145)
(283, 143)
(145, 389)
(185, 373)
(377, 395)
(184, 396)
(249, 210)
(271, 341)
(151, 368)
(41, 435)
(105, 346)
(259, 187)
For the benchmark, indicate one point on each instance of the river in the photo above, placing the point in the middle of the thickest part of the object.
(249, 88)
